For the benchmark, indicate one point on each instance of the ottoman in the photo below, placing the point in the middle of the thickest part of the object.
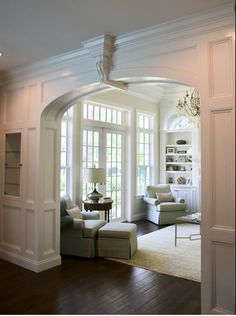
(117, 240)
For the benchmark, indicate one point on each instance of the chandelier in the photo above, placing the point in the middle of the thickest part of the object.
(190, 103)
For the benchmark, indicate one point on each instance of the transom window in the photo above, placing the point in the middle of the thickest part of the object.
(144, 151)
(101, 113)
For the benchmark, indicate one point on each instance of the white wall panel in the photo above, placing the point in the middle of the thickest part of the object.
(31, 158)
(29, 231)
(33, 102)
(11, 221)
(220, 61)
(15, 106)
(223, 283)
(50, 163)
(49, 231)
(222, 169)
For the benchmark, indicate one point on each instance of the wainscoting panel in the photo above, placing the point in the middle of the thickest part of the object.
(220, 62)
(14, 105)
(49, 233)
(222, 169)
(222, 282)
(49, 161)
(29, 232)
(11, 235)
(30, 158)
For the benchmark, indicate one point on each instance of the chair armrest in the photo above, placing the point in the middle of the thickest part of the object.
(90, 215)
(180, 200)
(78, 223)
(151, 201)
(66, 221)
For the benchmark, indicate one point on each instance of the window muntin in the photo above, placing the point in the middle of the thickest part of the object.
(114, 167)
(91, 141)
(106, 151)
(97, 112)
(144, 151)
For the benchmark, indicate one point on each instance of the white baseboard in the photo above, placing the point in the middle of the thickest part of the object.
(33, 265)
(137, 217)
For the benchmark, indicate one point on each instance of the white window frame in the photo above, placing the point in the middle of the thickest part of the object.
(150, 131)
(68, 119)
(106, 127)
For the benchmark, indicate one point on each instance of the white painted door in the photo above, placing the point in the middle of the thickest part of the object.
(218, 180)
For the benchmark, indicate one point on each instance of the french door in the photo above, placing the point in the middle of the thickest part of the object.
(104, 148)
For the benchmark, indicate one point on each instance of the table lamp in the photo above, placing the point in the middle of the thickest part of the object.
(95, 175)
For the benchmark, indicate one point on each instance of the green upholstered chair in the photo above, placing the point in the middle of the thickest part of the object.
(78, 230)
(161, 207)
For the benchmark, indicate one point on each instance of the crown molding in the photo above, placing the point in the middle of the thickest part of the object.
(192, 25)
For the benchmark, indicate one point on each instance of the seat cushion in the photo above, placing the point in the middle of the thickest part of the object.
(151, 190)
(165, 197)
(90, 215)
(171, 206)
(91, 227)
(75, 212)
(117, 230)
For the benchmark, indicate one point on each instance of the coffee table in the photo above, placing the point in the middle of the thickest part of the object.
(193, 218)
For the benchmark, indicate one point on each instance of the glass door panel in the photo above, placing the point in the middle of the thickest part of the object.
(12, 164)
(114, 165)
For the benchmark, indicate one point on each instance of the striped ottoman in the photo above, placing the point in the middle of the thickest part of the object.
(117, 240)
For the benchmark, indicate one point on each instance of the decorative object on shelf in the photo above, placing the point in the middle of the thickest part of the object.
(189, 181)
(170, 150)
(170, 180)
(182, 168)
(181, 142)
(181, 152)
(176, 168)
(182, 159)
(190, 103)
(169, 159)
(189, 159)
(181, 180)
(95, 175)
(169, 168)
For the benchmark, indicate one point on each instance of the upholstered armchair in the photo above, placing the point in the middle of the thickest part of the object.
(161, 206)
(78, 230)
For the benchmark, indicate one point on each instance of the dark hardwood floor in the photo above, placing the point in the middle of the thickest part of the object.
(96, 286)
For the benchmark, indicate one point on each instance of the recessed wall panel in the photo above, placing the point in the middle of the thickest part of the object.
(15, 107)
(49, 162)
(11, 234)
(222, 169)
(49, 231)
(31, 159)
(223, 282)
(29, 231)
(220, 61)
(33, 102)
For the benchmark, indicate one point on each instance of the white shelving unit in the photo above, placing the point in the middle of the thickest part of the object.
(179, 165)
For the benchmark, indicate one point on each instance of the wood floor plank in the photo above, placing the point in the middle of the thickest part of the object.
(96, 286)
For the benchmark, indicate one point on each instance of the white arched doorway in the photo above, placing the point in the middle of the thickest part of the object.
(50, 147)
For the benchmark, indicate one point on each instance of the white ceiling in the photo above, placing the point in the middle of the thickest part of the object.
(31, 30)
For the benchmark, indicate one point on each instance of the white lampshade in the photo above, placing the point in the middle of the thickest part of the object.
(95, 175)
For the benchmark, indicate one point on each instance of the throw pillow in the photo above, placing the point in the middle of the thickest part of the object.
(75, 212)
(165, 197)
(69, 203)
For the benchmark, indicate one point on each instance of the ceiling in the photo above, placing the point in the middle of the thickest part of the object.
(31, 30)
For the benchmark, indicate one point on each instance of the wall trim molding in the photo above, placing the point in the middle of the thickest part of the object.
(207, 21)
(33, 265)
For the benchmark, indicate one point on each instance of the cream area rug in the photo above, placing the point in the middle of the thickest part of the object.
(157, 252)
